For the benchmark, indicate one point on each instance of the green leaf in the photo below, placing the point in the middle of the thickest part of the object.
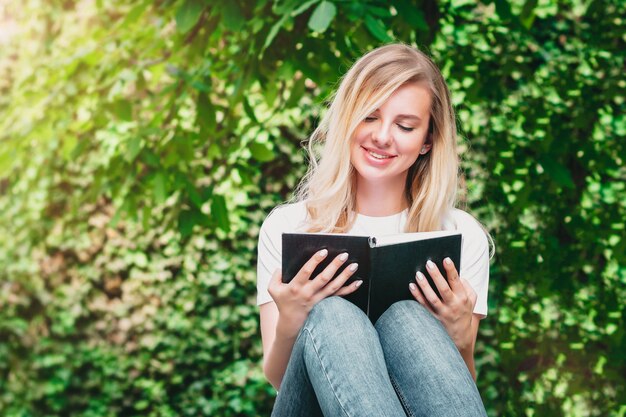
(274, 31)
(159, 188)
(187, 219)
(150, 158)
(412, 15)
(287, 11)
(219, 212)
(142, 404)
(284, 7)
(377, 28)
(146, 216)
(503, 8)
(69, 144)
(558, 172)
(135, 13)
(123, 110)
(133, 148)
(233, 19)
(249, 110)
(193, 193)
(205, 113)
(303, 7)
(323, 14)
(261, 152)
(527, 17)
(188, 14)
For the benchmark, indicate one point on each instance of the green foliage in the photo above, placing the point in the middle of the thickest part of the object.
(142, 144)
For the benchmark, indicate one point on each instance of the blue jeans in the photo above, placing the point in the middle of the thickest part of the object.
(405, 365)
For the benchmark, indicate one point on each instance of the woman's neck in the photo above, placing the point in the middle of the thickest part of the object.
(378, 200)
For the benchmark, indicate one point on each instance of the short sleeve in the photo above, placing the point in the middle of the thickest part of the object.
(269, 255)
(474, 258)
(286, 218)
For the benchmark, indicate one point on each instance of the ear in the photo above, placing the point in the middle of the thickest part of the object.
(427, 146)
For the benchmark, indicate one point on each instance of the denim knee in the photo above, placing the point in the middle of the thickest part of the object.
(404, 315)
(337, 315)
(402, 311)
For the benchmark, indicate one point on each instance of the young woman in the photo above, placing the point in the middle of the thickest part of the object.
(388, 164)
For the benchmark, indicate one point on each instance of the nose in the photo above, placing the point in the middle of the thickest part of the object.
(381, 135)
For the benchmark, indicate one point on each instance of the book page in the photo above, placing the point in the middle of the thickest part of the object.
(409, 237)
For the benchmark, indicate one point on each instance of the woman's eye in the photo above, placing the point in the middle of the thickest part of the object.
(405, 128)
(370, 119)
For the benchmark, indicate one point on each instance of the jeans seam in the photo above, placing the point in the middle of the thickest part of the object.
(403, 400)
(326, 373)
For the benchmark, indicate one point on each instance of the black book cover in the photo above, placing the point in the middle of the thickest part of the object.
(299, 248)
(386, 270)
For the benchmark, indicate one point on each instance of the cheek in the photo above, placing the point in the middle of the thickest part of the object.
(358, 136)
(410, 146)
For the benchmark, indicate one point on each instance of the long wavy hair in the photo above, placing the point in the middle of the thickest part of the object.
(329, 187)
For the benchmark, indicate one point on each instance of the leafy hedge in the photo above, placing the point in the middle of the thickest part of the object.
(143, 142)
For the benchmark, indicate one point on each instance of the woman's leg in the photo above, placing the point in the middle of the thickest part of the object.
(339, 355)
(296, 396)
(425, 366)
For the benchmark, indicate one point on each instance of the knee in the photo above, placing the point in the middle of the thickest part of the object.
(406, 311)
(334, 308)
(336, 315)
(412, 320)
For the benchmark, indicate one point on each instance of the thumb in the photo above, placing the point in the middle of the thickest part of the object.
(470, 291)
(277, 278)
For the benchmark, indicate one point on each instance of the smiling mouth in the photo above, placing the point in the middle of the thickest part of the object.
(379, 156)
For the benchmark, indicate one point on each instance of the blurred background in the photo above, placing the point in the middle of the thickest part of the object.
(142, 143)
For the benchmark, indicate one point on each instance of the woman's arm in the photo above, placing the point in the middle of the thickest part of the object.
(277, 345)
(454, 309)
(282, 319)
(467, 353)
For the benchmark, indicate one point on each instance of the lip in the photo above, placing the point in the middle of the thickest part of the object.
(375, 161)
(379, 152)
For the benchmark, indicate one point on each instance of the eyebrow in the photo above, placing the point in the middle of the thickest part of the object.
(408, 116)
(403, 116)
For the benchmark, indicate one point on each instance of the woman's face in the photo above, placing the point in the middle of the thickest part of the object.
(387, 143)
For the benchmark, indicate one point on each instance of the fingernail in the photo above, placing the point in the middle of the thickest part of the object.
(412, 287)
(343, 256)
(358, 283)
(448, 261)
(419, 276)
(353, 267)
(322, 253)
(430, 264)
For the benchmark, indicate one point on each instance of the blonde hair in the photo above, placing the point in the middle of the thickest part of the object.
(329, 187)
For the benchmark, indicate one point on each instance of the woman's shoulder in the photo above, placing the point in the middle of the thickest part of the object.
(465, 223)
(286, 216)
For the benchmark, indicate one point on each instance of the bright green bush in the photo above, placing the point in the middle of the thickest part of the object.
(142, 144)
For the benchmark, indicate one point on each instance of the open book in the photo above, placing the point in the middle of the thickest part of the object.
(387, 264)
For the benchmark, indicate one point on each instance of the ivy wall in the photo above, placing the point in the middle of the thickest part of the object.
(143, 142)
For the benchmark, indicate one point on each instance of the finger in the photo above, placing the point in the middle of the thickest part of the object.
(349, 289)
(428, 293)
(337, 284)
(277, 277)
(440, 282)
(304, 274)
(473, 297)
(275, 282)
(324, 277)
(454, 281)
(419, 297)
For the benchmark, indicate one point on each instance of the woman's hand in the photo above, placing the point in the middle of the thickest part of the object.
(296, 299)
(456, 305)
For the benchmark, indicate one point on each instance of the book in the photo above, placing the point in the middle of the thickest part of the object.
(387, 264)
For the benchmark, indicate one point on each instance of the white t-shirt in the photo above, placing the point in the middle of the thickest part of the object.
(290, 218)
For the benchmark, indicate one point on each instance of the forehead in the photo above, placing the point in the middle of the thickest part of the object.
(410, 99)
